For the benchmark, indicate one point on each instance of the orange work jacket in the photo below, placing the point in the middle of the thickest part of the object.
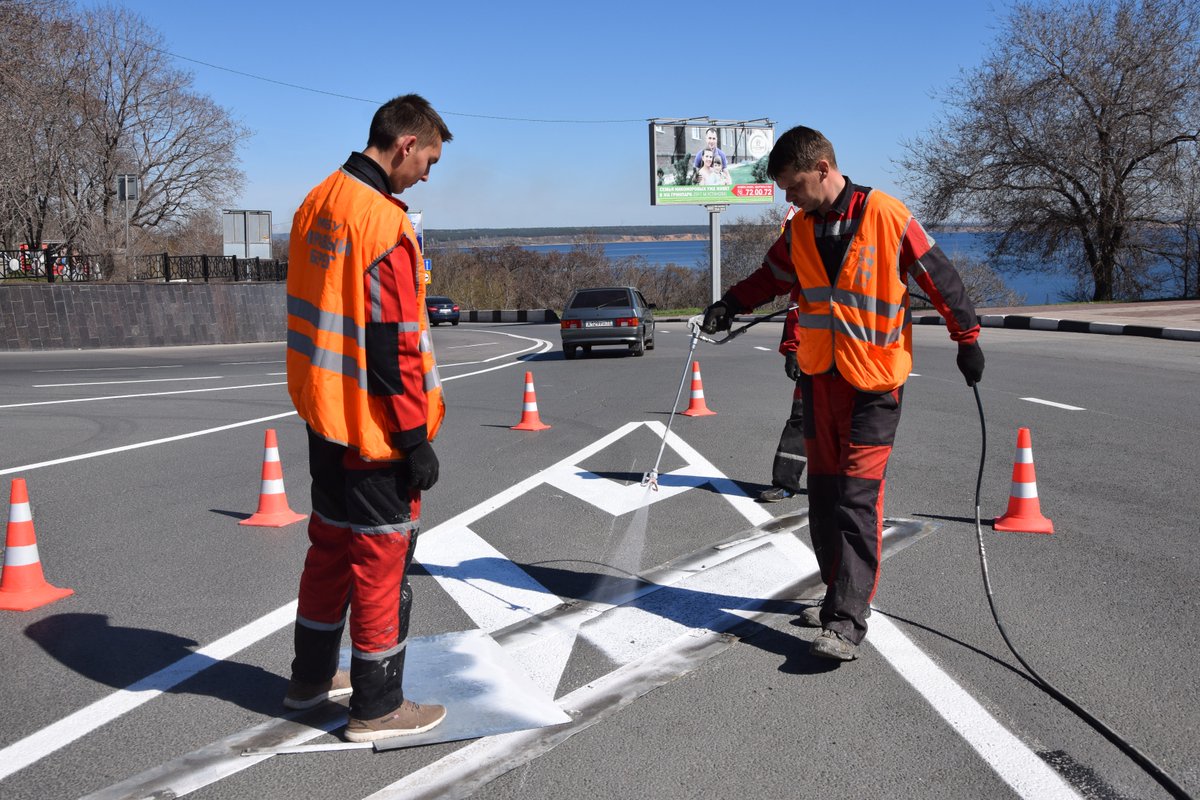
(862, 323)
(339, 235)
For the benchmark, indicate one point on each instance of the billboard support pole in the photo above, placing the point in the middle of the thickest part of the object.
(714, 250)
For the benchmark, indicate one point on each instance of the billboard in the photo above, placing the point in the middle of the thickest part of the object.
(699, 162)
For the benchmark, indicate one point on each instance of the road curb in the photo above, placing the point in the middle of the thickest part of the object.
(1022, 322)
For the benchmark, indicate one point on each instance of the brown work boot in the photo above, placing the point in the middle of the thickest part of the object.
(307, 695)
(832, 645)
(406, 720)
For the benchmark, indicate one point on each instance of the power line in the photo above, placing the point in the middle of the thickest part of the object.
(380, 102)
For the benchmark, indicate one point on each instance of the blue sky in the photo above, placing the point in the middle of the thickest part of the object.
(867, 77)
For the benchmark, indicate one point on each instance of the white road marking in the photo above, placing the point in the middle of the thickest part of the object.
(1011, 759)
(1054, 404)
(143, 394)
(461, 346)
(109, 369)
(764, 349)
(114, 383)
(36, 746)
(139, 445)
(1017, 765)
(247, 363)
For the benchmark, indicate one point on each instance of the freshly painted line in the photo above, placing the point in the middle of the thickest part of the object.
(144, 394)
(764, 349)
(34, 747)
(139, 445)
(1054, 404)
(110, 369)
(114, 383)
(1017, 765)
(463, 772)
(461, 346)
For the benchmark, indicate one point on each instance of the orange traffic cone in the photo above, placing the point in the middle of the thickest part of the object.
(273, 510)
(530, 421)
(1024, 512)
(22, 585)
(697, 407)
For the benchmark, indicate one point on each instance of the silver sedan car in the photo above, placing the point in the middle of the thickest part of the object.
(617, 316)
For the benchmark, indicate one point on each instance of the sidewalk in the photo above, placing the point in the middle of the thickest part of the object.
(1161, 319)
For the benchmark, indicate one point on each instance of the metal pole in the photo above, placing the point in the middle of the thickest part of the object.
(128, 259)
(714, 250)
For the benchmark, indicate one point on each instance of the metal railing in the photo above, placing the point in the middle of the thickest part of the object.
(46, 266)
(41, 265)
(206, 269)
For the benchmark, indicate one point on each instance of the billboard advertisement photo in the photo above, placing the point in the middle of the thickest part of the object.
(710, 163)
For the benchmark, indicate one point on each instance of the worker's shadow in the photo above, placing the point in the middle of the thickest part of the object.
(136, 659)
(688, 607)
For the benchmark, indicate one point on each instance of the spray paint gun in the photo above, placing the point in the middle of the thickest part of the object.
(650, 479)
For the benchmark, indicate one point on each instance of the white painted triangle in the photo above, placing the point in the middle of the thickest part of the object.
(495, 593)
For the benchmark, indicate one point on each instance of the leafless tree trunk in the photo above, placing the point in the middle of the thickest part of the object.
(1062, 137)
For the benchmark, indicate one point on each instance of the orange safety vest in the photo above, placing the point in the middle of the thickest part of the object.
(862, 324)
(343, 229)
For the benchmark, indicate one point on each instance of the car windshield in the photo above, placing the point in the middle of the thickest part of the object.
(600, 298)
(438, 300)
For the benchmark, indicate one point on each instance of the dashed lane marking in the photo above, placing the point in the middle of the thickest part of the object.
(1053, 404)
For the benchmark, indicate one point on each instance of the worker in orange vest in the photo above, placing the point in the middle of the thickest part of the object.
(362, 375)
(850, 253)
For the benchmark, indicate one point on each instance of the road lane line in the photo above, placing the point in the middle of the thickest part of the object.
(764, 349)
(139, 445)
(143, 394)
(1016, 764)
(114, 383)
(1052, 403)
(55, 736)
(108, 369)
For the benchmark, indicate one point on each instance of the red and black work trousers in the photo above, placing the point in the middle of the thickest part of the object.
(849, 435)
(790, 456)
(362, 534)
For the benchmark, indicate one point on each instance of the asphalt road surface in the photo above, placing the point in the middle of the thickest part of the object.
(653, 627)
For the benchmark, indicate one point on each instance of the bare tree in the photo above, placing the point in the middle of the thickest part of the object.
(1061, 139)
(40, 71)
(144, 119)
(744, 244)
(1178, 242)
(91, 96)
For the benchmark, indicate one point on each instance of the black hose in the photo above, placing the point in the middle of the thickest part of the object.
(1140, 758)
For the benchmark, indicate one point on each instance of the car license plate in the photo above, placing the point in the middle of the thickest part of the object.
(597, 323)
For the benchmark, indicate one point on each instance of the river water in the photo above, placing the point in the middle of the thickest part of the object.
(1038, 289)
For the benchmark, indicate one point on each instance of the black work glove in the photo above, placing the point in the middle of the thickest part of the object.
(422, 466)
(790, 367)
(970, 362)
(719, 316)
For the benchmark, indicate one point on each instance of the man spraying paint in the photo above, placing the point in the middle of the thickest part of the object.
(850, 254)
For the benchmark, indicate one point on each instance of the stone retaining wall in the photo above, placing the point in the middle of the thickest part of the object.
(82, 316)
(43, 316)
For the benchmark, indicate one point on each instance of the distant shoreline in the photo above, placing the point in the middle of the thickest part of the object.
(501, 237)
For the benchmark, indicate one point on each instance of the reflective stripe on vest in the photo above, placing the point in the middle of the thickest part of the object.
(862, 324)
(343, 230)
